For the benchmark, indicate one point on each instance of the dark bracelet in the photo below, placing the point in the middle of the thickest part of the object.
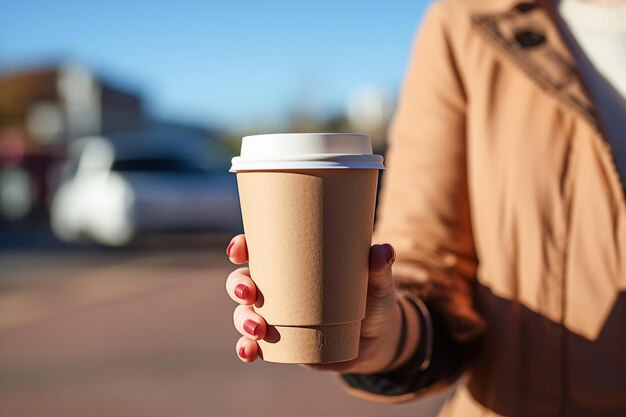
(408, 377)
(403, 332)
(426, 330)
(438, 358)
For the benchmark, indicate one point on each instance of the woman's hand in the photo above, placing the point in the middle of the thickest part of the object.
(380, 330)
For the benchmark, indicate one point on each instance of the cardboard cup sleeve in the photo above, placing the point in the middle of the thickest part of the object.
(309, 234)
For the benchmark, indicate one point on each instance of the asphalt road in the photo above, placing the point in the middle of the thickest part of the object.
(144, 332)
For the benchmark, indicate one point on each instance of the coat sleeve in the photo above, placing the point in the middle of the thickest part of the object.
(424, 208)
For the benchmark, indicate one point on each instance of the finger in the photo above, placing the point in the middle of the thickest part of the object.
(237, 250)
(247, 349)
(240, 286)
(249, 323)
(380, 283)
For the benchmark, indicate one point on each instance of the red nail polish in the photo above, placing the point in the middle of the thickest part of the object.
(242, 352)
(230, 246)
(241, 290)
(391, 253)
(251, 327)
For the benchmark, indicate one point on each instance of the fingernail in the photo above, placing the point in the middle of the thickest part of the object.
(251, 327)
(242, 353)
(391, 254)
(230, 246)
(241, 290)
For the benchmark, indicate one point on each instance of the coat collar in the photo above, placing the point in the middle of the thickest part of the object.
(528, 35)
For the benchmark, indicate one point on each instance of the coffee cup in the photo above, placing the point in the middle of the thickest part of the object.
(307, 203)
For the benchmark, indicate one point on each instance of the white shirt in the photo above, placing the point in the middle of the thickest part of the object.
(596, 34)
(600, 30)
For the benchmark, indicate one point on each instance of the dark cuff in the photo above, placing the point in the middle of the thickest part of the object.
(447, 362)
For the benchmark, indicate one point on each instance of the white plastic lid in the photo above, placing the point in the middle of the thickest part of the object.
(306, 151)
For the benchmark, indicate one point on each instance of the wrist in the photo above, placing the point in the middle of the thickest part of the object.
(406, 335)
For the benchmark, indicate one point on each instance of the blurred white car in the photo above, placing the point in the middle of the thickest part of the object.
(117, 187)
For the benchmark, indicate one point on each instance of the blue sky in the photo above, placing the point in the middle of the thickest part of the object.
(230, 63)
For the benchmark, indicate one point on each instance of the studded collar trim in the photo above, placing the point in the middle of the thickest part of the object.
(528, 35)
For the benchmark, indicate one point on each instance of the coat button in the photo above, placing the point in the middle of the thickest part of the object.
(529, 38)
(526, 7)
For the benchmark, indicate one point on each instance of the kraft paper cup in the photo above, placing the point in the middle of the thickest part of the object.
(308, 223)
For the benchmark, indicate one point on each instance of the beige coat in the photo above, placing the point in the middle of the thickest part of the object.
(506, 210)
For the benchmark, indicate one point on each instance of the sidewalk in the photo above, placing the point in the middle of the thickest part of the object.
(144, 335)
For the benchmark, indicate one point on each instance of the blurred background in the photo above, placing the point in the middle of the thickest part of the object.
(117, 124)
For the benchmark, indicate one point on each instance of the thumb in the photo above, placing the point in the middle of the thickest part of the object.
(382, 258)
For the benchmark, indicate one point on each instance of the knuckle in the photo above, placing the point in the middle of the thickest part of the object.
(241, 313)
(240, 310)
(238, 274)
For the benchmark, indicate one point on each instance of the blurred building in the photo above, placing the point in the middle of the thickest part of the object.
(41, 112)
(369, 110)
